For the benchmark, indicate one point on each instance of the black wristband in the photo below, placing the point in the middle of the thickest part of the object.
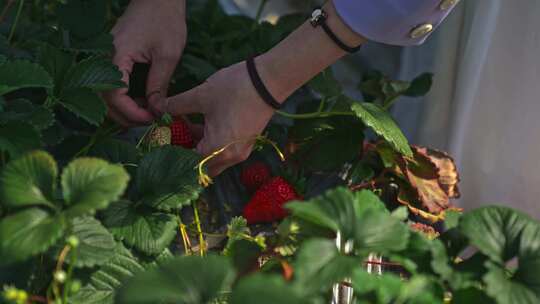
(259, 85)
(318, 17)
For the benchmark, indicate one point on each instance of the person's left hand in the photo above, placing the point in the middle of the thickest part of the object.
(233, 111)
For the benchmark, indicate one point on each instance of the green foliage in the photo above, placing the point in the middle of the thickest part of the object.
(27, 233)
(148, 231)
(166, 178)
(19, 74)
(70, 221)
(382, 123)
(97, 245)
(200, 281)
(30, 180)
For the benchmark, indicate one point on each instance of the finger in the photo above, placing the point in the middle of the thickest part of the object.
(185, 103)
(121, 102)
(197, 130)
(118, 118)
(226, 159)
(159, 76)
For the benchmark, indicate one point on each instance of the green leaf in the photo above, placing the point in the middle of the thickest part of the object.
(95, 73)
(83, 18)
(377, 231)
(115, 151)
(96, 244)
(360, 216)
(338, 209)
(186, 280)
(389, 288)
(384, 125)
(84, 103)
(29, 180)
(23, 110)
(502, 234)
(56, 62)
(21, 74)
(19, 137)
(420, 86)
(167, 178)
(107, 280)
(27, 233)
(325, 84)
(265, 289)
(319, 265)
(91, 184)
(148, 231)
(244, 254)
(324, 136)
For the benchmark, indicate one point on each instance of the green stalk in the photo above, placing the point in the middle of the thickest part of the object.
(314, 115)
(67, 284)
(14, 25)
(199, 229)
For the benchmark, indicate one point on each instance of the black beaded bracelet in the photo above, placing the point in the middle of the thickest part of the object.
(259, 85)
(318, 17)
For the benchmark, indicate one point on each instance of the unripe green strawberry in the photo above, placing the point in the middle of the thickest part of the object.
(160, 136)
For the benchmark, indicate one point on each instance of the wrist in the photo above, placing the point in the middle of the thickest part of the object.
(304, 54)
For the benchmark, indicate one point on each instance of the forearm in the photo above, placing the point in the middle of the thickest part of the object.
(304, 54)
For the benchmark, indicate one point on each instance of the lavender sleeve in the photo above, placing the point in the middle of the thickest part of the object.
(395, 22)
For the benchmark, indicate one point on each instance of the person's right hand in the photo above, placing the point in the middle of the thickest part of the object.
(154, 32)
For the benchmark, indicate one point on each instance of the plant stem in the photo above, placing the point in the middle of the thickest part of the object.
(259, 11)
(314, 114)
(202, 244)
(389, 102)
(69, 275)
(14, 25)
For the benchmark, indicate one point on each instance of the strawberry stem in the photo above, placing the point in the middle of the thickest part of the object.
(202, 244)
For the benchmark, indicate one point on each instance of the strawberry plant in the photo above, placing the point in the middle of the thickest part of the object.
(88, 216)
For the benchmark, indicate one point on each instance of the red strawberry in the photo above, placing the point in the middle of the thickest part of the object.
(181, 135)
(266, 205)
(255, 175)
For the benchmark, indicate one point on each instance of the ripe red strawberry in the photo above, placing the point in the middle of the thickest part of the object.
(255, 175)
(181, 135)
(266, 205)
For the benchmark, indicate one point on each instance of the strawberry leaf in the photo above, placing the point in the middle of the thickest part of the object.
(503, 234)
(265, 289)
(104, 282)
(185, 279)
(85, 104)
(384, 125)
(27, 233)
(17, 137)
(21, 74)
(146, 230)
(91, 184)
(319, 265)
(30, 180)
(167, 178)
(96, 243)
(94, 73)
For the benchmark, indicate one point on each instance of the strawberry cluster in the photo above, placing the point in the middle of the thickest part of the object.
(266, 204)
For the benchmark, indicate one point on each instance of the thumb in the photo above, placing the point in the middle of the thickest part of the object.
(188, 102)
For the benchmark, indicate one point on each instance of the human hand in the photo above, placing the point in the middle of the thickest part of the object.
(233, 111)
(150, 31)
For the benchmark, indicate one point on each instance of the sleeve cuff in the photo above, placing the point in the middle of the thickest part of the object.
(394, 22)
